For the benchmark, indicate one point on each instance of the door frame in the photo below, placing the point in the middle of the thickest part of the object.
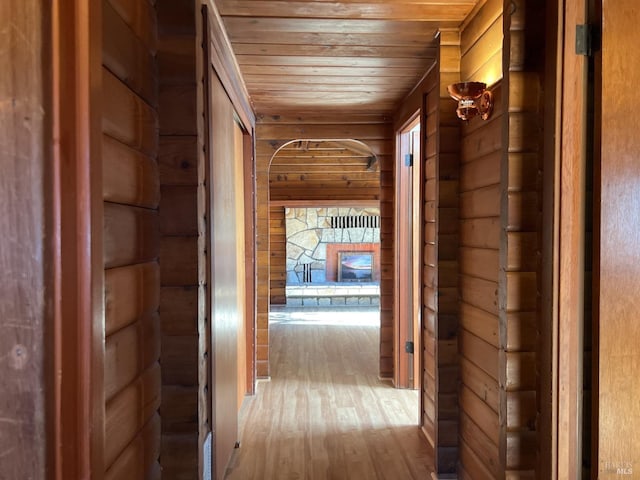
(76, 183)
(408, 320)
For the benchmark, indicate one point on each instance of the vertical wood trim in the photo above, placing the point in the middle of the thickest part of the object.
(79, 309)
(402, 307)
(205, 308)
(224, 63)
(548, 393)
(250, 257)
(571, 251)
(504, 245)
(618, 272)
(241, 280)
(27, 252)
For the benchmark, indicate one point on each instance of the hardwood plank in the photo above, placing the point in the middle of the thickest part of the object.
(128, 412)
(522, 251)
(479, 262)
(487, 46)
(130, 235)
(176, 59)
(179, 360)
(128, 176)
(520, 371)
(177, 110)
(524, 211)
(481, 323)
(479, 23)
(140, 15)
(178, 261)
(481, 353)
(283, 25)
(28, 289)
(521, 451)
(470, 462)
(129, 352)
(410, 51)
(522, 331)
(480, 293)
(480, 233)
(130, 293)
(484, 202)
(521, 410)
(178, 210)
(179, 453)
(179, 409)
(128, 118)
(481, 172)
(481, 444)
(522, 289)
(485, 139)
(127, 57)
(179, 310)
(343, 395)
(177, 160)
(485, 418)
(140, 459)
(287, 132)
(345, 10)
(481, 384)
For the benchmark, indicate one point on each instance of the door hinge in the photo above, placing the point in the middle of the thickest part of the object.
(408, 347)
(408, 160)
(587, 39)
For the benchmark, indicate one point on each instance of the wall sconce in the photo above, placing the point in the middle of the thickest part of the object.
(473, 99)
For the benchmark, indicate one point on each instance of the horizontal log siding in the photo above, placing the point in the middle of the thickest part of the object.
(523, 234)
(131, 244)
(277, 256)
(480, 398)
(447, 255)
(180, 225)
(274, 131)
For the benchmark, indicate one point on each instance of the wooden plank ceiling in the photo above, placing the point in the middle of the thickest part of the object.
(352, 56)
(310, 170)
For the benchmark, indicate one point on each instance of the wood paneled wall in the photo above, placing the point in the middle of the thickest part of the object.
(26, 293)
(481, 399)
(185, 419)
(444, 130)
(522, 227)
(277, 255)
(131, 243)
(619, 274)
(376, 131)
(440, 293)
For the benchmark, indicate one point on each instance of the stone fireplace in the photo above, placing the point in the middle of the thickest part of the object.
(316, 237)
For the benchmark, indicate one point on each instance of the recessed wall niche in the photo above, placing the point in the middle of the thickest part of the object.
(316, 235)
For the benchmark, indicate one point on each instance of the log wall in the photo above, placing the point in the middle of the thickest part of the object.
(272, 133)
(441, 133)
(185, 420)
(481, 400)
(446, 254)
(131, 193)
(277, 255)
(522, 226)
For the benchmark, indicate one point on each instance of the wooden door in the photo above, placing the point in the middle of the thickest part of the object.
(226, 224)
(618, 454)
(408, 249)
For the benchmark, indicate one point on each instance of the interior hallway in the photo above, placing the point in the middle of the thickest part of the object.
(325, 414)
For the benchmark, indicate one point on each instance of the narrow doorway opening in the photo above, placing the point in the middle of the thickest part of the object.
(409, 258)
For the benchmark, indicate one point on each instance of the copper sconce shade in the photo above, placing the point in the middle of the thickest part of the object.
(473, 99)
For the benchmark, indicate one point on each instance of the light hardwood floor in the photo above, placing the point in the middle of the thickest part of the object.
(325, 414)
